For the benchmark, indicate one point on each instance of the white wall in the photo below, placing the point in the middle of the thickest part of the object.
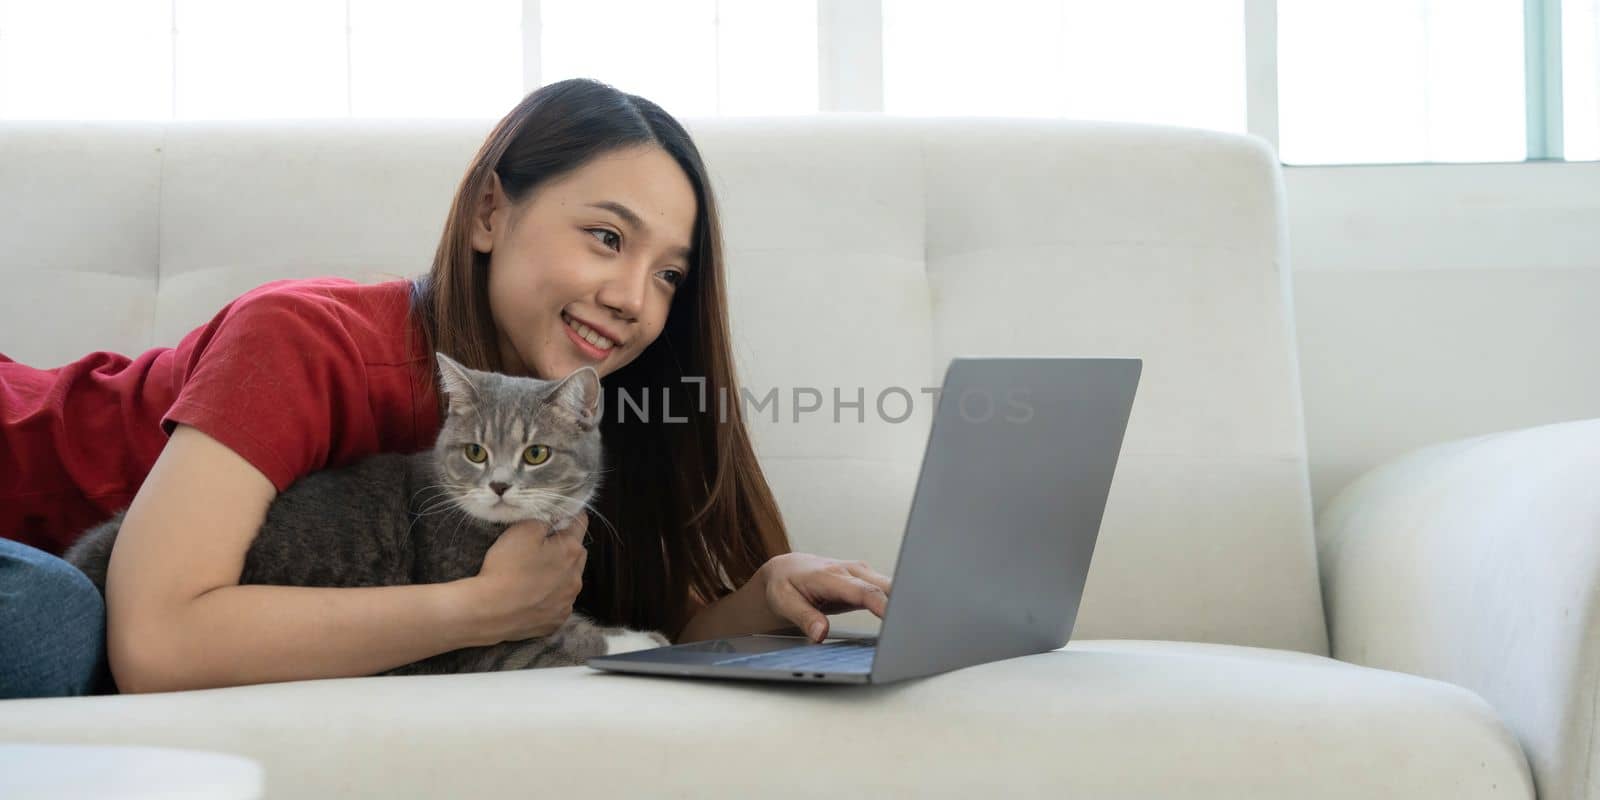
(1435, 302)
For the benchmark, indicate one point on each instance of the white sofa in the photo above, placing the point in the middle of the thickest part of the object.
(865, 251)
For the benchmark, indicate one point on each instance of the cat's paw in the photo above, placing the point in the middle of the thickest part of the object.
(629, 641)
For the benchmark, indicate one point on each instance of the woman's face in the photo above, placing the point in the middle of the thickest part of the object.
(565, 269)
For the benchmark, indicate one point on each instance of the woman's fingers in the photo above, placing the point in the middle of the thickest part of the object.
(870, 575)
(864, 593)
(824, 593)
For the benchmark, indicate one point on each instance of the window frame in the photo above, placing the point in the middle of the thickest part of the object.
(850, 66)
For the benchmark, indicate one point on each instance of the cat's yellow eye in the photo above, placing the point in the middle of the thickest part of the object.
(475, 453)
(536, 455)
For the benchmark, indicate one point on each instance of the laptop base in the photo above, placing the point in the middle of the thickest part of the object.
(698, 660)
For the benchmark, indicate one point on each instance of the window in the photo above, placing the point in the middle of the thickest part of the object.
(221, 59)
(53, 59)
(426, 58)
(1416, 80)
(1177, 62)
(1580, 59)
(692, 57)
(208, 59)
(1359, 81)
(238, 59)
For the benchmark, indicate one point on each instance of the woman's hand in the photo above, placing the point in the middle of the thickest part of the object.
(804, 589)
(530, 579)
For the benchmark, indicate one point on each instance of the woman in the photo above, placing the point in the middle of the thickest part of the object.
(584, 232)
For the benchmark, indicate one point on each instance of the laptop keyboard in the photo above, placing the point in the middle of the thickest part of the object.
(833, 657)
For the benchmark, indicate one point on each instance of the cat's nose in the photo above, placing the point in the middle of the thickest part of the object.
(499, 487)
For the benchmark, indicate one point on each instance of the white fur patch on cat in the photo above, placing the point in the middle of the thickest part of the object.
(631, 641)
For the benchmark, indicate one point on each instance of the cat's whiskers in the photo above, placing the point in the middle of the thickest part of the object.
(446, 510)
(441, 502)
(443, 490)
(615, 535)
(440, 485)
(428, 494)
(560, 492)
(454, 532)
(442, 507)
(447, 499)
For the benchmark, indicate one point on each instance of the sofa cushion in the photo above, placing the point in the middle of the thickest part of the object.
(1129, 719)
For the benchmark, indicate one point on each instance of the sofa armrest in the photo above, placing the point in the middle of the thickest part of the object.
(1477, 562)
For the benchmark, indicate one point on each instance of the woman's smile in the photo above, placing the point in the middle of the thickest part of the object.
(591, 343)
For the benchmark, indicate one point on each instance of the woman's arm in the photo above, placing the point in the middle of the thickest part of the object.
(744, 611)
(177, 618)
(793, 590)
(237, 635)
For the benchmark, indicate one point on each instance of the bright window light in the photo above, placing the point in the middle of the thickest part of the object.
(86, 59)
(425, 58)
(1177, 62)
(1393, 81)
(673, 53)
(242, 59)
(767, 56)
(1580, 79)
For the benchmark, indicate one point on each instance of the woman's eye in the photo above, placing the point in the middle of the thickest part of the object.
(474, 453)
(677, 277)
(536, 455)
(606, 233)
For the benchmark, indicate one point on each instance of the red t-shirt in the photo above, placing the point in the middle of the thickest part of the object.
(294, 375)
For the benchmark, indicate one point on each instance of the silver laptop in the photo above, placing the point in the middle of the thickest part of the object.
(997, 546)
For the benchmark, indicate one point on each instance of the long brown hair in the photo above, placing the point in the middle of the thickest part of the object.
(693, 515)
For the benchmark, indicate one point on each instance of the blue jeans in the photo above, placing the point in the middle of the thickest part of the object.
(52, 627)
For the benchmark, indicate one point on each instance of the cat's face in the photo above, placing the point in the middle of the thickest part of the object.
(515, 448)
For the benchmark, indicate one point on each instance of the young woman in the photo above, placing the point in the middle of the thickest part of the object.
(584, 233)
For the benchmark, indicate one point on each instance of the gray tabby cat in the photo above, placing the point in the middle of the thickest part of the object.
(510, 449)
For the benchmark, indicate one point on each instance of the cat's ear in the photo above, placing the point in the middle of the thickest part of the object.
(579, 395)
(456, 381)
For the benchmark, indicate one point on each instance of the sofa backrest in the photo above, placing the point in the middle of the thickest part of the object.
(864, 252)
